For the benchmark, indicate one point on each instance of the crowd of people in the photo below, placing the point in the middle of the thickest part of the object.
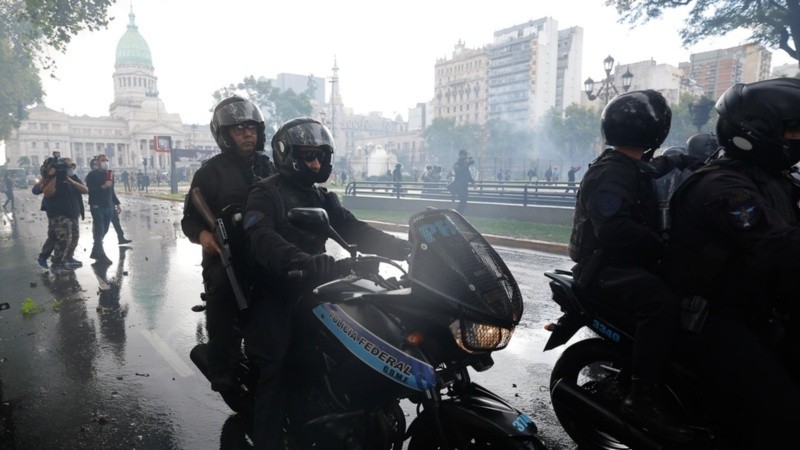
(63, 203)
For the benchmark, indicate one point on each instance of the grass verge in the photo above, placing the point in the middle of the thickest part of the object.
(500, 227)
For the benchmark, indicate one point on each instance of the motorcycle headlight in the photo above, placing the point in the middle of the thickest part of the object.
(477, 337)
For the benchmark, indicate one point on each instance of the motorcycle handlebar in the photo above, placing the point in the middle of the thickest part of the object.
(363, 265)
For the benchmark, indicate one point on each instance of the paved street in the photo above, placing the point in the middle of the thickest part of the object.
(105, 363)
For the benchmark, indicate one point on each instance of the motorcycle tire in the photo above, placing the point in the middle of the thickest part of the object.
(426, 437)
(597, 368)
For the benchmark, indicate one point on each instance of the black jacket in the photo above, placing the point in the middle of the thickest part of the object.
(224, 181)
(735, 234)
(97, 195)
(617, 212)
(279, 247)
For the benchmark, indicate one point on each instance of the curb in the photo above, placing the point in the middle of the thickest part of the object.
(504, 241)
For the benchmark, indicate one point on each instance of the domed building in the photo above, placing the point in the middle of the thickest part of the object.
(137, 117)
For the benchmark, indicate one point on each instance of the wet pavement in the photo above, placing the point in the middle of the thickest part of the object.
(105, 363)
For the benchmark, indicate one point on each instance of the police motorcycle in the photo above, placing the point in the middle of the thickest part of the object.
(592, 376)
(374, 341)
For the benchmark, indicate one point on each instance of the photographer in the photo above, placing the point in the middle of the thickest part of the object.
(461, 179)
(63, 204)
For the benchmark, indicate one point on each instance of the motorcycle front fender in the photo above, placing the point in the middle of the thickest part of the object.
(567, 326)
(478, 409)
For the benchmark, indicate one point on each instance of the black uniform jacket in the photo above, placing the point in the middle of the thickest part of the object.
(279, 247)
(224, 181)
(735, 233)
(617, 211)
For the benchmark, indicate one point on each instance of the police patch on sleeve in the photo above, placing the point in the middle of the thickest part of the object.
(608, 203)
(251, 218)
(742, 211)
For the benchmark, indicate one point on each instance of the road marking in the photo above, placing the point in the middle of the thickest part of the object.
(170, 356)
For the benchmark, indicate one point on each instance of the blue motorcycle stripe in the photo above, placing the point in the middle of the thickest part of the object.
(378, 354)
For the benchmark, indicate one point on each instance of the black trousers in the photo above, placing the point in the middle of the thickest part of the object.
(224, 340)
(750, 391)
(267, 337)
(655, 310)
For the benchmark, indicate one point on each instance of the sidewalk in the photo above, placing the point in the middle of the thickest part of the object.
(162, 193)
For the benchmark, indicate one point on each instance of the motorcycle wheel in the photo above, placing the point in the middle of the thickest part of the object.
(598, 369)
(426, 438)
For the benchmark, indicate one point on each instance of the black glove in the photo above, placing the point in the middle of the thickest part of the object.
(320, 268)
(681, 161)
(400, 251)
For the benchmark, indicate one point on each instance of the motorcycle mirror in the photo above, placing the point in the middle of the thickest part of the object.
(311, 220)
(315, 220)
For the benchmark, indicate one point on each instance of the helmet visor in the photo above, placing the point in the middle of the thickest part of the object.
(238, 112)
(310, 134)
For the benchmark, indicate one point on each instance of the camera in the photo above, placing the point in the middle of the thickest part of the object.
(55, 162)
(470, 161)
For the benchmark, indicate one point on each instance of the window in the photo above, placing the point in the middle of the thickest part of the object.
(44, 126)
(33, 144)
(58, 145)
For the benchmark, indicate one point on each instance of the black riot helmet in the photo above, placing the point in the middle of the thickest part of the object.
(752, 120)
(233, 111)
(307, 132)
(702, 145)
(636, 119)
(673, 151)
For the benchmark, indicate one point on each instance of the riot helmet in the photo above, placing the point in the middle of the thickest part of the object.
(636, 119)
(302, 132)
(233, 111)
(673, 151)
(752, 120)
(702, 145)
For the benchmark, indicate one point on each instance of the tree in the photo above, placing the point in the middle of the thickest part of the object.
(28, 28)
(701, 111)
(685, 124)
(774, 23)
(575, 132)
(24, 161)
(440, 139)
(277, 106)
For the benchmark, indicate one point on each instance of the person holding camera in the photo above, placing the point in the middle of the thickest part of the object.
(102, 202)
(462, 178)
(63, 203)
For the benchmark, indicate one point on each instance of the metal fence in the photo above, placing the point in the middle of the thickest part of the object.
(510, 192)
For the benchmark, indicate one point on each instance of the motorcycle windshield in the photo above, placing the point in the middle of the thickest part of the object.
(453, 261)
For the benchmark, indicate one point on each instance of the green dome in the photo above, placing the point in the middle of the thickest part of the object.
(132, 48)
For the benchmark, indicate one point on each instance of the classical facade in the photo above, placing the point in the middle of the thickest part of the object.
(136, 116)
(460, 86)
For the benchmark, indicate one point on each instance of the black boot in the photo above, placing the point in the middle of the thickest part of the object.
(648, 405)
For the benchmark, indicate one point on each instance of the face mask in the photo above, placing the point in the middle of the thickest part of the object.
(70, 172)
(104, 165)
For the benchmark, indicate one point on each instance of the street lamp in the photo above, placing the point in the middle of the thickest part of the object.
(607, 90)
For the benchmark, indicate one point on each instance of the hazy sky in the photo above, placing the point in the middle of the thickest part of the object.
(385, 51)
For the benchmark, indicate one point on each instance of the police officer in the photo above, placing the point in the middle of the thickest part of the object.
(735, 240)
(302, 149)
(617, 243)
(224, 180)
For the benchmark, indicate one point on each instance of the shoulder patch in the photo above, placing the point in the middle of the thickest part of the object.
(251, 218)
(742, 211)
(608, 203)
